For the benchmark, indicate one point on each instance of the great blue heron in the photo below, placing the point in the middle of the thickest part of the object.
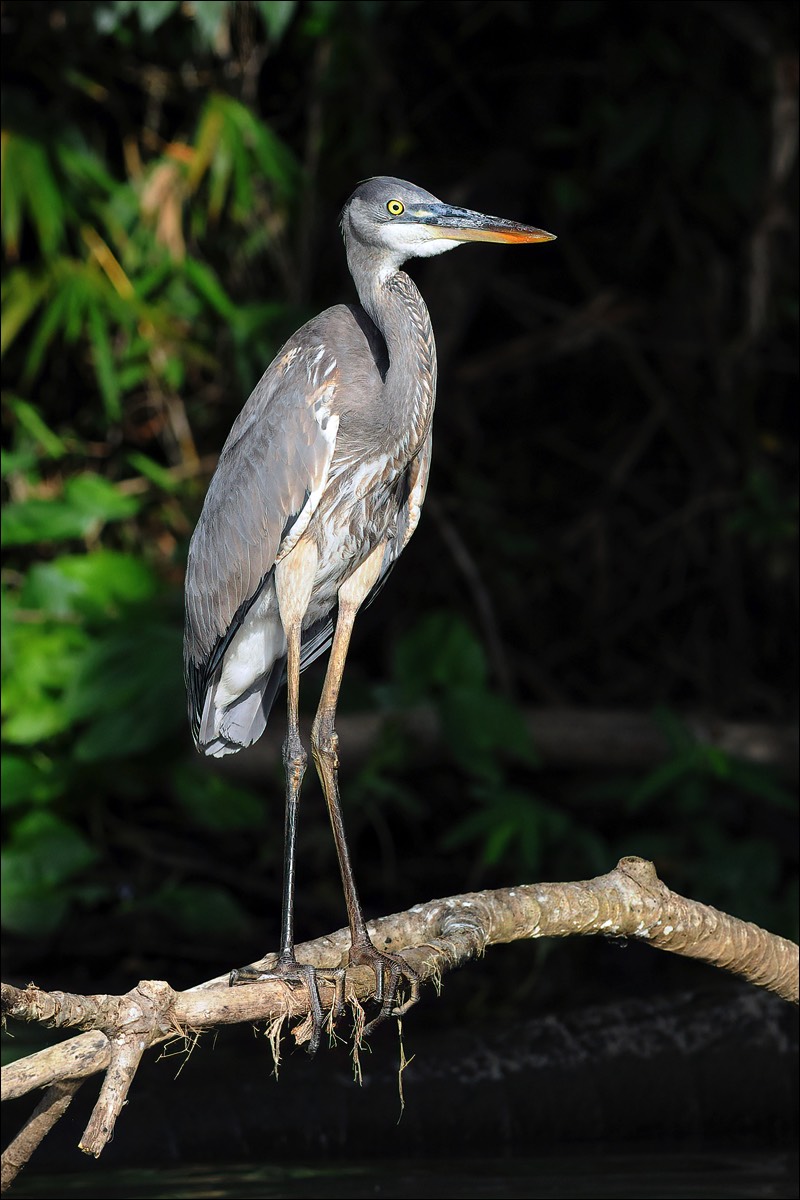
(317, 491)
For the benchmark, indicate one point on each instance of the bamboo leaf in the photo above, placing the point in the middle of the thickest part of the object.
(208, 136)
(220, 171)
(30, 419)
(153, 471)
(22, 295)
(103, 357)
(43, 196)
(52, 317)
(208, 286)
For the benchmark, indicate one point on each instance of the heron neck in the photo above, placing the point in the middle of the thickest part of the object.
(395, 305)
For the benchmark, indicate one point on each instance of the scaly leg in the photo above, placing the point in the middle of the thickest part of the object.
(389, 968)
(294, 580)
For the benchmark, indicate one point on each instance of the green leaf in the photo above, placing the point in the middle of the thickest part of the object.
(30, 187)
(243, 201)
(103, 358)
(468, 829)
(440, 651)
(26, 781)
(497, 842)
(153, 471)
(661, 780)
(29, 521)
(202, 911)
(31, 420)
(87, 585)
(53, 316)
(21, 296)
(153, 13)
(273, 156)
(128, 692)
(43, 853)
(39, 660)
(80, 164)
(98, 499)
(214, 802)
(677, 733)
(23, 461)
(717, 762)
(276, 15)
(89, 501)
(33, 716)
(474, 725)
(29, 907)
(759, 781)
(208, 286)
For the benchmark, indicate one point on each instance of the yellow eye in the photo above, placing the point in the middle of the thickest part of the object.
(395, 207)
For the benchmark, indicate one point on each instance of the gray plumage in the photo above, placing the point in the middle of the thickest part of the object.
(334, 444)
(318, 489)
(280, 472)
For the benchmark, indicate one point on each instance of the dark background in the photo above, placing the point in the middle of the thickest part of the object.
(612, 518)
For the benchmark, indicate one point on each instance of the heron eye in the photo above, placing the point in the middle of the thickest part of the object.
(395, 207)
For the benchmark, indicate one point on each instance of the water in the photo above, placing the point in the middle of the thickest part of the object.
(569, 1175)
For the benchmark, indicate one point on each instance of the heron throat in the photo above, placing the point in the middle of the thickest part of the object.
(394, 303)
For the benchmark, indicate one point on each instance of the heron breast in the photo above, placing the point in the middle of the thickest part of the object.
(356, 514)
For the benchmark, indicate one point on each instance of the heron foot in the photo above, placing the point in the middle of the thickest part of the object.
(289, 970)
(390, 970)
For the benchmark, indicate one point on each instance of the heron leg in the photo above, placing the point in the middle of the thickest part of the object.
(294, 581)
(389, 969)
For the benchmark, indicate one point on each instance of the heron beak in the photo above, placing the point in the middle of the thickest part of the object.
(464, 225)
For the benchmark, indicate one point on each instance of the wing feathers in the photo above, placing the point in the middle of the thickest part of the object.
(283, 450)
(271, 475)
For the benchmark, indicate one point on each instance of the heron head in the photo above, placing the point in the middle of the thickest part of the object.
(399, 220)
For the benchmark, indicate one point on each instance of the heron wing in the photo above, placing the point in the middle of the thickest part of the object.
(271, 474)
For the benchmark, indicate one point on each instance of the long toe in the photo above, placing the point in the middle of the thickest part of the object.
(390, 971)
(294, 973)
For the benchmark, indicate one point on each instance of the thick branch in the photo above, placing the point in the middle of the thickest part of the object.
(630, 901)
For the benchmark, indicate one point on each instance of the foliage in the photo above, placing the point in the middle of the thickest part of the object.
(613, 442)
(697, 798)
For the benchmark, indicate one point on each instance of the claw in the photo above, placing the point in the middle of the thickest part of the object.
(292, 972)
(389, 970)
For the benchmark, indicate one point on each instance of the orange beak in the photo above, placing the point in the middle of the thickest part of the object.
(464, 225)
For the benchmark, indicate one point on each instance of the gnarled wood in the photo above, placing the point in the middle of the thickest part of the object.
(629, 902)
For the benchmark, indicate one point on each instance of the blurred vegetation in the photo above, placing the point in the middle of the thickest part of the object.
(615, 515)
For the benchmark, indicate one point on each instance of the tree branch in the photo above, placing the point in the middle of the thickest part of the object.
(629, 902)
(50, 1109)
